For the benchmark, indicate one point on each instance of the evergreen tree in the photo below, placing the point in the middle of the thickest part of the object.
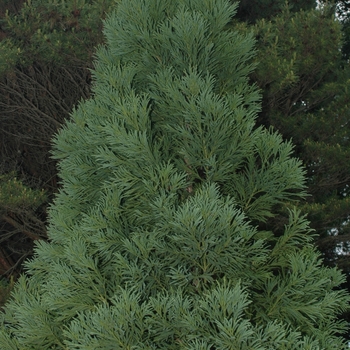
(154, 239)
(46, 50)
(305, 84)
(304, 76)
(253, 10)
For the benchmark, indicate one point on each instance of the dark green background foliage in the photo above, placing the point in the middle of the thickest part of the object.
(46, 50)
(253, 10)
(305, 81)
(54, 31)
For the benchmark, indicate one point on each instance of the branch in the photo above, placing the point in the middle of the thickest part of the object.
(17, 225)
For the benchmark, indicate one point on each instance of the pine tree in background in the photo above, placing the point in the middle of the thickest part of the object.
(341, 9)
(304, 75)
(152, 241)
(253, 10)
(305, 84)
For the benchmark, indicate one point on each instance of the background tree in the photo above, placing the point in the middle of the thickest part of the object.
(153, 241)
(46, 51)
(341, 9)
(253, 10)
(305, 83)
(304, 76)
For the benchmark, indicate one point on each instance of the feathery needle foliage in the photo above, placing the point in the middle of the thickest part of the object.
(153, 236)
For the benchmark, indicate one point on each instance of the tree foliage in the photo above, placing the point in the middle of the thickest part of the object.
(305, 84)
(154, 236)
(46, 50)
(304, 75)
(253, 10)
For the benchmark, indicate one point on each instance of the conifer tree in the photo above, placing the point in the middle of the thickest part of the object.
(153, 237)
(253, 10)
(46, 50)
(305, 83)
(304, 74)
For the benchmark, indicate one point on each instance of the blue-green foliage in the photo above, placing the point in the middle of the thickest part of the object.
(152, 244)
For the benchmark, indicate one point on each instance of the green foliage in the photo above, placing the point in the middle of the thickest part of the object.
(297, 52)
(154, 239)
(5, 290)
(253, 10)
(54, 31)
(46, 50)
(305, 85)
(14, 194)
